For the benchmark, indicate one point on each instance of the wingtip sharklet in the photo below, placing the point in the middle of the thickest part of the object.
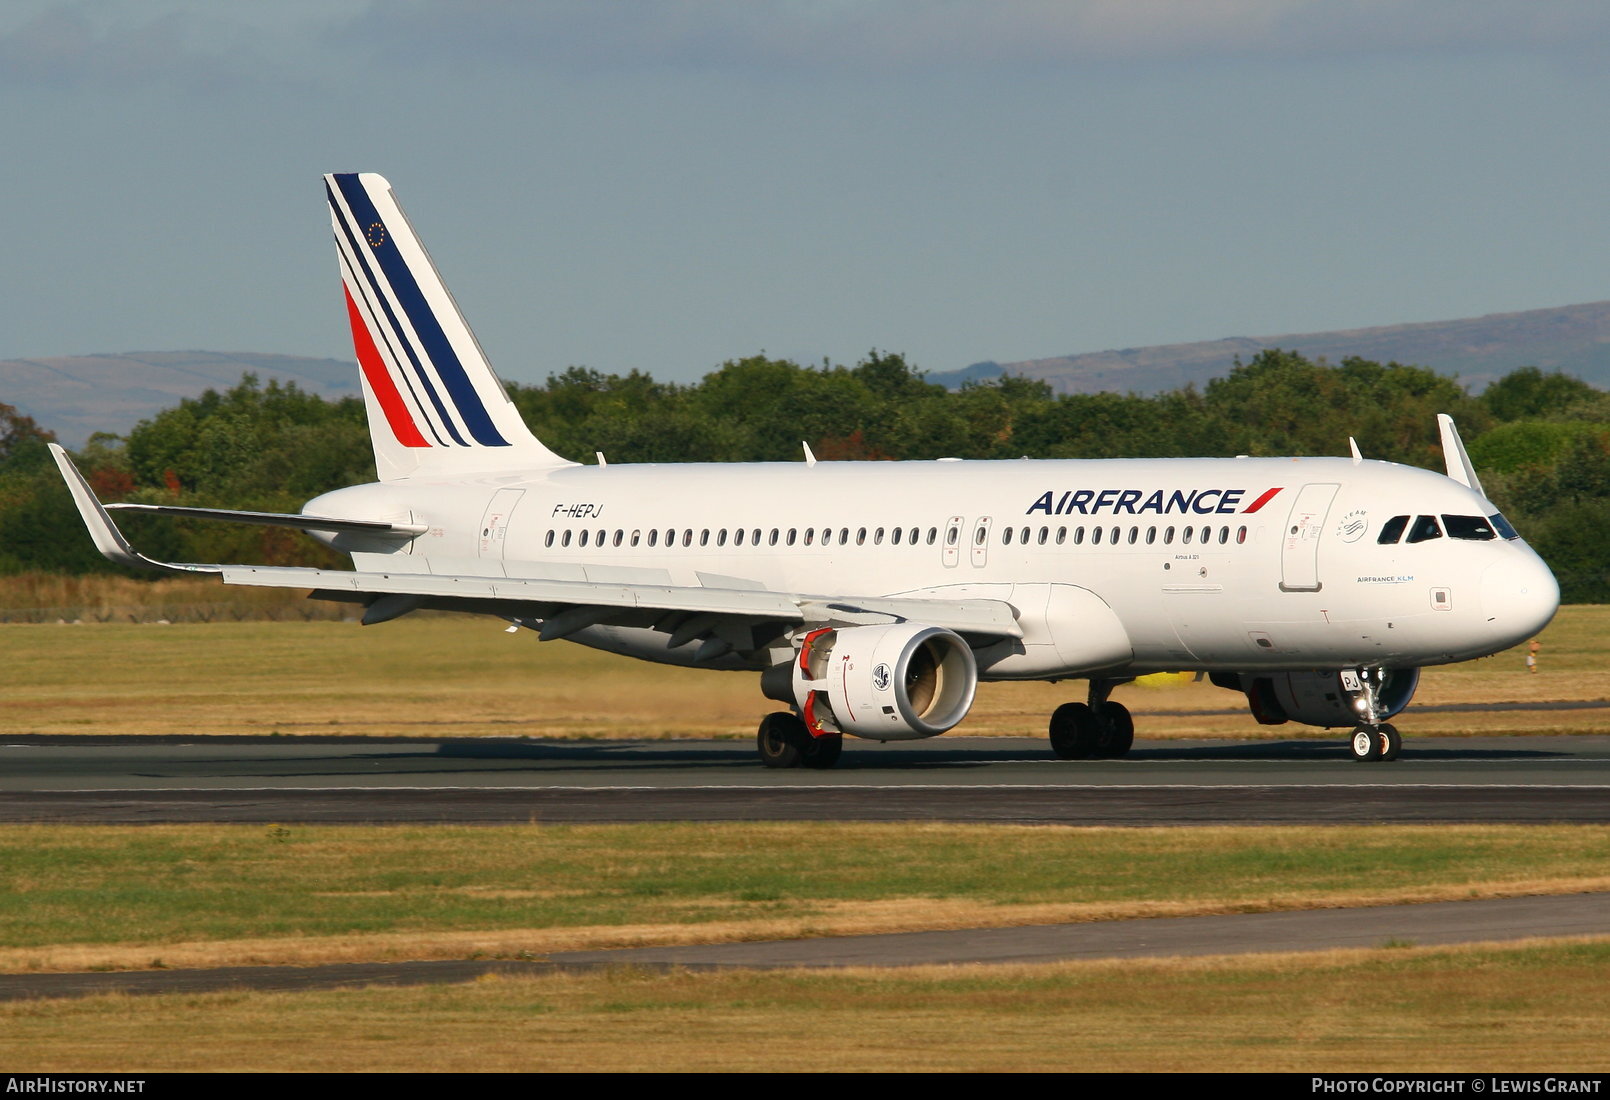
(108, 539)
(1455, 457)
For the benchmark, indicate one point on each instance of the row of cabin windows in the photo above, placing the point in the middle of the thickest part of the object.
(895, 536)
(756, 537)
(1115, 535)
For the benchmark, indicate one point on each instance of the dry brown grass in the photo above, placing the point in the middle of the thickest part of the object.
(1534, 1008)
(451, 676)
(831, 918)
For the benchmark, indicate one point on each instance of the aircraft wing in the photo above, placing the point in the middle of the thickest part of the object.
(727, 619)
(402, 532)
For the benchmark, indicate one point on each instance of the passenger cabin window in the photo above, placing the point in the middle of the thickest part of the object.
(1473, 528)
(1425, 528)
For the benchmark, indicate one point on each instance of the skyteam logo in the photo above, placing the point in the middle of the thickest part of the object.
(1138, 502)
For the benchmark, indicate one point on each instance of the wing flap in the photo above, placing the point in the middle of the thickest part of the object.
(992, 617)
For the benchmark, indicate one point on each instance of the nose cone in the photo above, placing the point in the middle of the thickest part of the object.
(1519, 597)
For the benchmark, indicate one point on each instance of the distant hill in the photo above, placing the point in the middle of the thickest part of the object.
(1574, 339)
(77, 396)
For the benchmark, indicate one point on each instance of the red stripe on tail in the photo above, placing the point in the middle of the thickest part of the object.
(379, 378)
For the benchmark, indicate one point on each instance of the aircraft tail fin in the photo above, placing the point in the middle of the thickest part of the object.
(434, 404)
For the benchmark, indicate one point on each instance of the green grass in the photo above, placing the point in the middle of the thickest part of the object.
(158, 884)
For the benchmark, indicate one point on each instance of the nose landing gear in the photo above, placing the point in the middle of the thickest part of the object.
(1373, 740)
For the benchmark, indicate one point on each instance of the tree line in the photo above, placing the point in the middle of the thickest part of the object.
(1541, 442)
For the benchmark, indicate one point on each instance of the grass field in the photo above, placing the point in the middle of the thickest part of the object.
(1540, 1008)
(452, 676)
(167, 896)
(89, 897)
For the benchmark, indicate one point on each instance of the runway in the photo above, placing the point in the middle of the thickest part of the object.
(490, 780)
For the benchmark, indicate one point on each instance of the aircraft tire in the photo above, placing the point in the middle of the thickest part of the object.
(1117, 730)
(1391, 742)
(1074, 732)
(824, 751)
(779, 738)
(1365, 744)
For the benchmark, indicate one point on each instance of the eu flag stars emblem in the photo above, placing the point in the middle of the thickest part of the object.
(376, 234)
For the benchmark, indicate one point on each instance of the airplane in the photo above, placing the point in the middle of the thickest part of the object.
(873, 597)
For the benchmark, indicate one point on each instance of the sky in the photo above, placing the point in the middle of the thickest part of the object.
(664, 185)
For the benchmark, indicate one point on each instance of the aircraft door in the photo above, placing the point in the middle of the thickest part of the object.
(981, 541)
(1299, 548)
(951, 551)
(495, 523)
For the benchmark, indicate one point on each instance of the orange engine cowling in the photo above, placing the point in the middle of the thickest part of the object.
(889, 683)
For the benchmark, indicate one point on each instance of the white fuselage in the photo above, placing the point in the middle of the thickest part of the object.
(1220, 564)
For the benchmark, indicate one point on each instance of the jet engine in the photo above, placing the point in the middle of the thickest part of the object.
(890, 683)
(1319, 698)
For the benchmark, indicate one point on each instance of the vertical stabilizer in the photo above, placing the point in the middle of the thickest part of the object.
(435, 406)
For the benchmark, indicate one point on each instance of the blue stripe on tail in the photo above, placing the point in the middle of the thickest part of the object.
(396, 337)
(422, 318)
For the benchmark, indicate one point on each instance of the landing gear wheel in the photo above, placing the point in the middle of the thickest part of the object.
(1074, 732)
(779, 739)
(1366, 744)
(1390, 740)
(1117, 730)
(823, 752)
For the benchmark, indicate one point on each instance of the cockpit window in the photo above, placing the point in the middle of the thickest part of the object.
(1392, 529)
(1502, 526)
(1475, 528)
(1425, 527)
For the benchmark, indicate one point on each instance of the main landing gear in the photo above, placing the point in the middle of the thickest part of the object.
(784, 742)
(1372, 740)
(1093, 730)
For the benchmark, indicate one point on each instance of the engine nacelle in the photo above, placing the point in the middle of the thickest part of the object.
(1319, 698)
(890, 683)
